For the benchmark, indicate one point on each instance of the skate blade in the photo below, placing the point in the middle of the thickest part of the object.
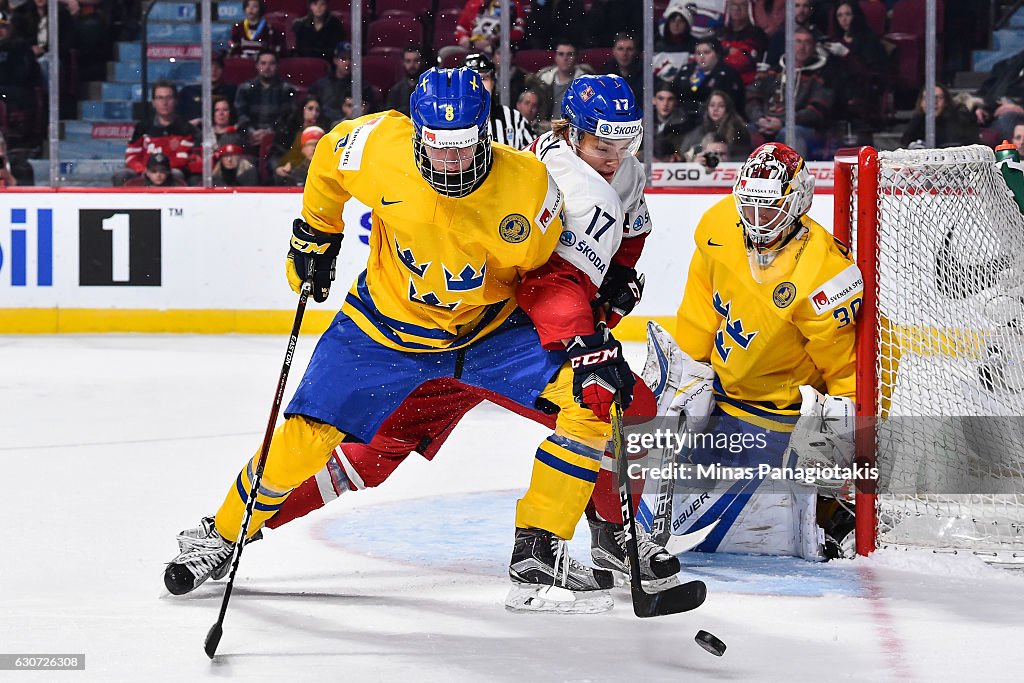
(554, 600)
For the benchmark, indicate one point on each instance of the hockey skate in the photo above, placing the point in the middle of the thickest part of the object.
(546, 579)
(658, 567)
(203, 554)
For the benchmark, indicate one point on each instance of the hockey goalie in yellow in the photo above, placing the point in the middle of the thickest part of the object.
(767, 319)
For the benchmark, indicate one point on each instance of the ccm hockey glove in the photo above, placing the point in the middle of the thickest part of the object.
(620, 292)
(312, 252)
(599, 371)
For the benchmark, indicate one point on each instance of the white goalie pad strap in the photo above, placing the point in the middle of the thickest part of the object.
(325, 485)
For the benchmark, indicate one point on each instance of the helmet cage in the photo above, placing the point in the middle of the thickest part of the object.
(454, 184)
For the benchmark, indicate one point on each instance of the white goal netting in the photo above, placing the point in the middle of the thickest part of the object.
(950, 354)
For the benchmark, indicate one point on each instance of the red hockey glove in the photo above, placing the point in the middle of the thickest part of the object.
(599, 371)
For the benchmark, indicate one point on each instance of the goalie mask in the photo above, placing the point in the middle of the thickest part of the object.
(451, 144)
(773, 192)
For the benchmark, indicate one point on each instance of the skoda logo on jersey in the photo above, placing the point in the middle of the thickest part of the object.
(784, 294)
(567, 238)
(514, 228)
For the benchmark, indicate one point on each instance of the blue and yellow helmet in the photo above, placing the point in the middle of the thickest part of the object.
(450, 108)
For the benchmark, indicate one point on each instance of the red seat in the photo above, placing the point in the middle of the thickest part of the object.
(296, 8)
(345, 7)
(874, 13)
(444, 28)
(394, 32)
(393, 53)
(457, 5)
(595, 57)
(381, 71)
(417, 8)
(282, 23)
(908, 16)
(302, 71)
(238, 70)
(533, 60)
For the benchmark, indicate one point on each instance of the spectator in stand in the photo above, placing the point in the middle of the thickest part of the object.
(626, 63)
(288, 142)
(674, 42)
(528, 106)
(294, 175)
(669, 122)
(665, 151)
(803, 11)
(744, 43)
(254, 33)
(860, 60)
(190, 99)
(551, 82)
(264, 102)
(318, 32)
(766, 107)
(19, 78)
(999, 99)
(30, 22)
(232, 169)
(157, 173)
(705, 74)
(479, 23)
(711, 151)
(14, 170)
(769, 15)
(505, 124)
(166, 134)
(224, 119)
(552, 20)
(954, 125)
(607, 19)
(333, 88)
(398, 95)
(721, 118)
(1018, 139)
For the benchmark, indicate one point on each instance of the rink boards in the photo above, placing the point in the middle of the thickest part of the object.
(210, 261)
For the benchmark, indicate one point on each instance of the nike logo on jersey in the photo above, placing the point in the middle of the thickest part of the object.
(713, 244)
(384, 202)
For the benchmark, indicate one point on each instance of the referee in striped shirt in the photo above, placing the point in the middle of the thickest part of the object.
(506, 124)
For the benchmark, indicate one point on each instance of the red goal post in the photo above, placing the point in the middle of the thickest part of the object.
(940, 349)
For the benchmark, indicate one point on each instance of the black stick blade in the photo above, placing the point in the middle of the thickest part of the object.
(684, 598)
(213, 639)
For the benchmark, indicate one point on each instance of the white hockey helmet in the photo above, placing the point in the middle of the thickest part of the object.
(773, 191)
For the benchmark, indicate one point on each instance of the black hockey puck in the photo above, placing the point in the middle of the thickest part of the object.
(710, 643)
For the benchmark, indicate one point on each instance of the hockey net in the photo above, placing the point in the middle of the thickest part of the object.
(940, 242)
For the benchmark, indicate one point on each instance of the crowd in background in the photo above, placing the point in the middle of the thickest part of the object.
(718, 68)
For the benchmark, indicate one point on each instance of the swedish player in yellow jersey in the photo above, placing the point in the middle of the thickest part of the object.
(457, 222)
(767, 320)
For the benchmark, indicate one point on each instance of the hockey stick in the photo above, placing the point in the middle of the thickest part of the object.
(217, 630)
(674, 600)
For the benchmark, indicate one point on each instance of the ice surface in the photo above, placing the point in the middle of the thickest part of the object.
(109, 445)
